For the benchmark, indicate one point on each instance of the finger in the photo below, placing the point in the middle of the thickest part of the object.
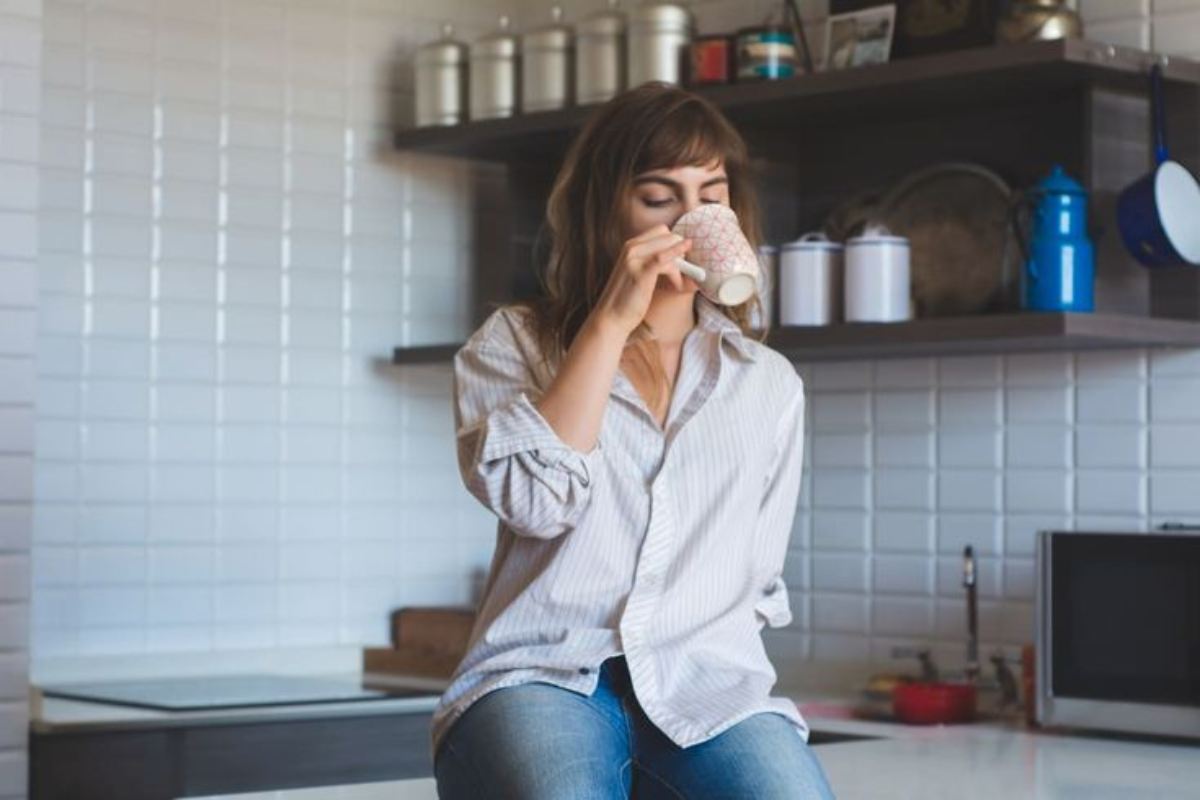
(666, 262)
(668, 255)
(650, 233)
(651, 247)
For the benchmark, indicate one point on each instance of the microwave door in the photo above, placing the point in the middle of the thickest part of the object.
(1119, 631)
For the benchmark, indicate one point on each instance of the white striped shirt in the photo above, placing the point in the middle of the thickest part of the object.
(664, 544)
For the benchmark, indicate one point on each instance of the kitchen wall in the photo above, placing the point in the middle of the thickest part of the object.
(20, 65)
(225, 461)
(229, 252)
(910, 460)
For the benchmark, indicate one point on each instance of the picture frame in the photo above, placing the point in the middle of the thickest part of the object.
(858, 38)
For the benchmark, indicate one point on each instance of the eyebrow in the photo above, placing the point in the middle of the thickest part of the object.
(675, 185)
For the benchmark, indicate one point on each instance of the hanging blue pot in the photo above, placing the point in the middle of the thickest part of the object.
(1159, 214)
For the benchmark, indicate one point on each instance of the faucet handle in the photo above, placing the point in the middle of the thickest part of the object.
(929, 671)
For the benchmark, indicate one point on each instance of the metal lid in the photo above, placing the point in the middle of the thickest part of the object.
(1059, 182)
(878, 233)
(446, 50)
(553, 36)
(610, 22)
(661, 16)
(899, 241)
(500, 43)
(816, 240)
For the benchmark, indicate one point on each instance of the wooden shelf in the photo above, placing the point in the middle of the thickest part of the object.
(966, 77)
(1016, 108)
(985, 333)
(425, 354)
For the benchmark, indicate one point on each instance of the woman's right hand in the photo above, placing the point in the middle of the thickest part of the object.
(626, 296)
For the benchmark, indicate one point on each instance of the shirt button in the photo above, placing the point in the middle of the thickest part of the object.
(585, 671)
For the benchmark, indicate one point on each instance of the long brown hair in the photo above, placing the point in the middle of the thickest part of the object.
(655, 126)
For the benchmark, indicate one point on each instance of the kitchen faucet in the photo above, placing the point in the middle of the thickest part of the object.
(971, 672)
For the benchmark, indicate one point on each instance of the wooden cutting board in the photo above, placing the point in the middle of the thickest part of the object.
(445, 628)
(408, 661)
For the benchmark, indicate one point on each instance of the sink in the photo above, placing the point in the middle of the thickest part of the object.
(816, 737)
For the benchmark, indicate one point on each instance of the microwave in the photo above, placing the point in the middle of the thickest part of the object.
(1118, 631)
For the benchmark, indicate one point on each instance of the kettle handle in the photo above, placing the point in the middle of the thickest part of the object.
(1020, 210)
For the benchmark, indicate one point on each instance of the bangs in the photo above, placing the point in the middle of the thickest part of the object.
(689, 135)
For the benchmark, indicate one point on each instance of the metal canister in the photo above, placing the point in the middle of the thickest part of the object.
(441, 80)
(494, 74)
(765, 52)
(600, 56)
(659, 34)
(548, 62)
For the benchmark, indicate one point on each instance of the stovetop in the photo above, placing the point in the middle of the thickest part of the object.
(203, 693)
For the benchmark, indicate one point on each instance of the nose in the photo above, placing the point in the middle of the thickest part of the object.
(690, 202)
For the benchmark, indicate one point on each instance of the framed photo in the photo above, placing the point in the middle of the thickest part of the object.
(861, 37)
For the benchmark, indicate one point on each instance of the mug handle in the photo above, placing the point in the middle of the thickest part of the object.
(692, 271)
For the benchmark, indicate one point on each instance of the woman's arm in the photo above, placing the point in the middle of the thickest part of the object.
(777, 512)
(530, 456)
(574, 403)
(510, 457)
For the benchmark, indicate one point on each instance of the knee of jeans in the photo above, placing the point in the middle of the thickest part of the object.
(815, 774)
(454, 778)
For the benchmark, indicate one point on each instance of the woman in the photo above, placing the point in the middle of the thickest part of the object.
(643, 455)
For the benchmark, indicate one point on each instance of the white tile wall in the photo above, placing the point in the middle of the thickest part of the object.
(20, 98)
(986, 450)
(228, 248)
(1047, 441)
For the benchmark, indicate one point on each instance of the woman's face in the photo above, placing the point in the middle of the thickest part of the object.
(661, 196)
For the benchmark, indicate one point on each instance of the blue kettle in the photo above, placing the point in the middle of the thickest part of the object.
(1060, 266)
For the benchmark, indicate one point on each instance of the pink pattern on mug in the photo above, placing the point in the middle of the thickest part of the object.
(718, 243)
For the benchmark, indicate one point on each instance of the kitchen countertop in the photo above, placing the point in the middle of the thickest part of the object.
(61, 715)
(985, 761)
(989, 759)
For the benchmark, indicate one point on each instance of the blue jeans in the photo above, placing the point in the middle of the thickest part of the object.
(536, 741)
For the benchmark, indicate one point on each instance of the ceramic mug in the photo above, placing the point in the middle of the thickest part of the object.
(721, 260)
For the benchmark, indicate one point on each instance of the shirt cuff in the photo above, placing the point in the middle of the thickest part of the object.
(520, 427)
(774, 605)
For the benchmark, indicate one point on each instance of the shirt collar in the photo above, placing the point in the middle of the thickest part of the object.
(711, 318)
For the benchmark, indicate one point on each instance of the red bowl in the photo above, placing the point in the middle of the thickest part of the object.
(932, 703)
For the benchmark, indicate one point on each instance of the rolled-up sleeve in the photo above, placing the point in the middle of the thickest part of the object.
(509, 456)
(777, 512)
